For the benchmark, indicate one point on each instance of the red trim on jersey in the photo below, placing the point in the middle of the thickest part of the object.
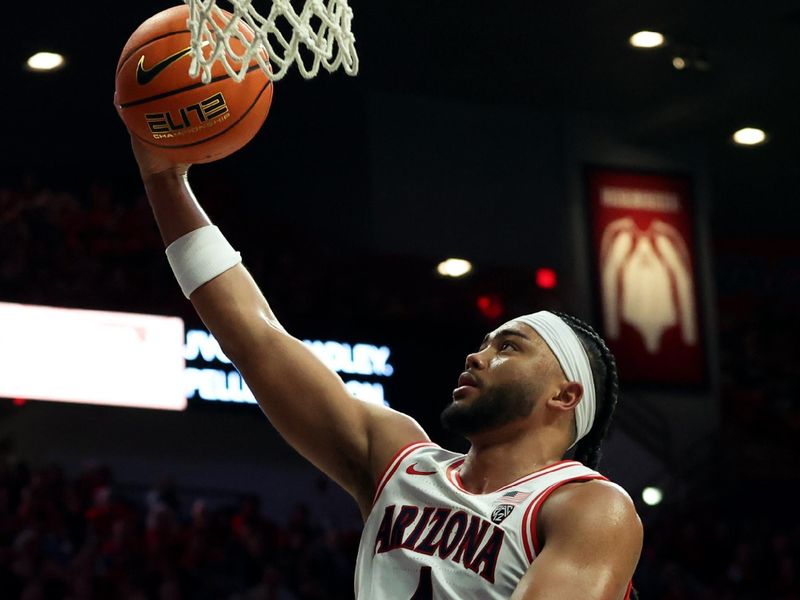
(525, 543)
(450, 475)
(562, 464)
(393, 465)
(537, 548)
(628, 591)
(455, 478)
(459, 483)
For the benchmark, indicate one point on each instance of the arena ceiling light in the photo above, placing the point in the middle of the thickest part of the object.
(454, 267)
(646, 39)
(679, 63)
(45, 61)
(652, 496)
(750, 136)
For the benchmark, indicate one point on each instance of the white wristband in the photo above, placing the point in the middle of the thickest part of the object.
(200, 256)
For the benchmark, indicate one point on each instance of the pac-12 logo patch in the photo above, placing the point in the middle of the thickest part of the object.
(500, 513)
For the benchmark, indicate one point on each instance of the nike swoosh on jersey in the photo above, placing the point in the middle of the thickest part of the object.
(145, 76)
(412, 471)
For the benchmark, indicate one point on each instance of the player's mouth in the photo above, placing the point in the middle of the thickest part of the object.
(466, 383)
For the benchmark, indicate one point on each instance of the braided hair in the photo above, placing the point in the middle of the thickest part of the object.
(606, 385)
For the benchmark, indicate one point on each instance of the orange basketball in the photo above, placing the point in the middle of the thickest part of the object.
(186, 120)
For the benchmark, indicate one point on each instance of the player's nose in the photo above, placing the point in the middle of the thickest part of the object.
(474, 361)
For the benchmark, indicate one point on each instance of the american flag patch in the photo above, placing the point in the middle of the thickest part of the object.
(514, 497)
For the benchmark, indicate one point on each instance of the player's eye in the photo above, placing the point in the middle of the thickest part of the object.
(507, 344)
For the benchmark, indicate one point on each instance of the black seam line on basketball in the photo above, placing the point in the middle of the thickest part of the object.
(145, 76)
(146, 141)
(178, 91)
(227, 129)
(155, 39)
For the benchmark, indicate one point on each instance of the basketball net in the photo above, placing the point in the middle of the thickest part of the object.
(317, 36)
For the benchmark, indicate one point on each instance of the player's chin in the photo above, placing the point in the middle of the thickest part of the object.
(459, 416)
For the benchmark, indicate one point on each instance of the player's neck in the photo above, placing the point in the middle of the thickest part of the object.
(497, 459)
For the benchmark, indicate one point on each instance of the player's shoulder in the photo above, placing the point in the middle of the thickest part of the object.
(596, 492)
(593, 518)
(594, 503)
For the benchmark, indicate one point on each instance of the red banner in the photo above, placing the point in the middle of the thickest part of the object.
(645, 271)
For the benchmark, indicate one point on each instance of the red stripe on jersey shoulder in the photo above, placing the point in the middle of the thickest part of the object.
(629, 590)
(454, 477)
(398, 458)
(540, 500)
(526, 545)
(557, 466)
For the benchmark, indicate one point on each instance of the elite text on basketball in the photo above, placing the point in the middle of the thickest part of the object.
(189, 118)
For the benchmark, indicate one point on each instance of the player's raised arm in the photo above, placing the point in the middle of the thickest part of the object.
(349, 440)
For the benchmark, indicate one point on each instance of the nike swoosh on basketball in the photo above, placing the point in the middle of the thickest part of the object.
(412, 471)
(145, 76)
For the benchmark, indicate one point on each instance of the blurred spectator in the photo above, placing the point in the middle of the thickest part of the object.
(83, 539)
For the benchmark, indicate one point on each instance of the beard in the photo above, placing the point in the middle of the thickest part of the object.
(491, 409)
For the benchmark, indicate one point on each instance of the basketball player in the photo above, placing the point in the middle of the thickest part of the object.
(511, 518)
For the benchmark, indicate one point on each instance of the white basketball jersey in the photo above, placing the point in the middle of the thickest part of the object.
(427, 538)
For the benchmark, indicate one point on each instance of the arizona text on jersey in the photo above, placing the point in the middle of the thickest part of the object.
(428, 538)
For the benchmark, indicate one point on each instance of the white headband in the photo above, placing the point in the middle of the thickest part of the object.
(572, 357)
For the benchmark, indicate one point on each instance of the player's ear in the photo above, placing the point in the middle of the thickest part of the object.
(567, 396)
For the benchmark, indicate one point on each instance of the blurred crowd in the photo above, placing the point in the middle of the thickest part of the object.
(83, 538)
(758, 287)
(68, 244)
(710, 552)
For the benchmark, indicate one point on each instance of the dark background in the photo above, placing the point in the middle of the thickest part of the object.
(562, 57)
(467, 133)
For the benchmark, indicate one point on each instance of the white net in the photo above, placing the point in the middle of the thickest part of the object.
(319, 35)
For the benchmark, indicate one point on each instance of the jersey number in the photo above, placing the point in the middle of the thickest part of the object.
(425, 587)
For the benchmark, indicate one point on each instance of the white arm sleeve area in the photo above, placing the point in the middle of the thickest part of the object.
(199, 256)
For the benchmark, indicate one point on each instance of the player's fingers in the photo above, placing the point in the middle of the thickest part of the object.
(151, 162)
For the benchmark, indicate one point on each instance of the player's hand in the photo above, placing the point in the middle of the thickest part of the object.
(151, 163)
